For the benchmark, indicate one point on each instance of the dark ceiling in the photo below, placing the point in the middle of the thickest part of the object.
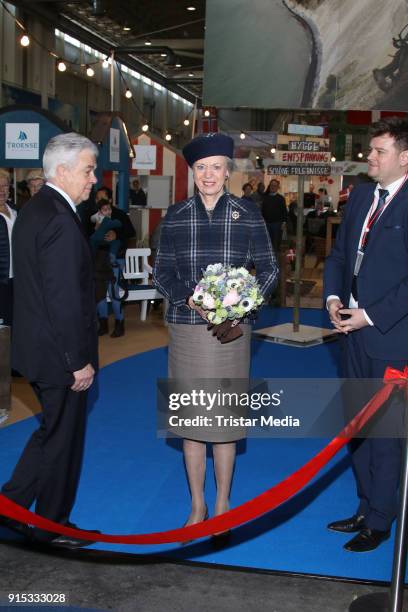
(169, 26)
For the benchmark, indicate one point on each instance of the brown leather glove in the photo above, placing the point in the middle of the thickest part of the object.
(226, 331)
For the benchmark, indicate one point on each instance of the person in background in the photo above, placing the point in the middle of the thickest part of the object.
(35, 180)
(309, 198)
(275, 213)
(247, 192)
(257, 195)
(123, 234)
(137, 195)
(210, 227)
(104, 223)
(7, 219)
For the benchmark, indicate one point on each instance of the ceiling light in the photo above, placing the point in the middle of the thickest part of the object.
(168, 137)
(90, 71)
(360, 155)
(24, 40)
(105, 63)
(128, 93)
(148, 43)
(191, 74)
(242, 136)
(333, 159)
(186, 122)
(126, 29)
(206, 113)
(191, 8)
(178, 65)
(273, 150)
(61, 65)
(163, 54)
(145, 127)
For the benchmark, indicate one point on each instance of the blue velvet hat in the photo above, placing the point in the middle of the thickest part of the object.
(206, 145)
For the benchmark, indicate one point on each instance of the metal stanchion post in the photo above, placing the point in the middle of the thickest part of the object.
(393, 600)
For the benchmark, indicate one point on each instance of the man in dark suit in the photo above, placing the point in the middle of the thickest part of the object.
(275, 213)
(54, 342)
(366, 291)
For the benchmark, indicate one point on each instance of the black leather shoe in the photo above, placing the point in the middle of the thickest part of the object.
(65, 541)
(348, 525)
(15, 526)
(367, 539)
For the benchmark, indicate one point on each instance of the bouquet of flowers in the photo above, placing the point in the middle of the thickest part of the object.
(226, 295)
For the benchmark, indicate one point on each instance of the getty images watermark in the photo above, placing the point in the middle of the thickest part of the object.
(211, 402)
(280, 408)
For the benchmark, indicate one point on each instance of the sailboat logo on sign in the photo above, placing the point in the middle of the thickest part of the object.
(22, 136)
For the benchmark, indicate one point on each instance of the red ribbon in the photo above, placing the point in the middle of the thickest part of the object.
(248, 511)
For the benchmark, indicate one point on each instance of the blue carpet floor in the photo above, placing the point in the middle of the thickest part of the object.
(133, 482)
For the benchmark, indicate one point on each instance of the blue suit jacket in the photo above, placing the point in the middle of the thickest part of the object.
(383, 278)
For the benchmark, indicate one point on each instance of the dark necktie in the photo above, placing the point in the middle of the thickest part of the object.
(382, 196)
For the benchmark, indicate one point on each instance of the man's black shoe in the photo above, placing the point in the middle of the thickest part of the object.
(348, 525)
(15, 526)
(367, 539)
(65, 541)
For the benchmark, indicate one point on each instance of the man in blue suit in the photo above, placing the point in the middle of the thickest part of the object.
(366, 293)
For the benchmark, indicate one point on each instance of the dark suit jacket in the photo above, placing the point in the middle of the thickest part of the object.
(55, 329)
(383, 278)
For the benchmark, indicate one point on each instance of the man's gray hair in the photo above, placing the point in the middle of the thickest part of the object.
(64, 149)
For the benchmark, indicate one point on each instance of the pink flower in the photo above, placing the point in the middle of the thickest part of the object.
(208, 301)
(231, 298)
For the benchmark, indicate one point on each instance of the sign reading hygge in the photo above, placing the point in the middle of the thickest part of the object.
(303, 145)
(22, 141)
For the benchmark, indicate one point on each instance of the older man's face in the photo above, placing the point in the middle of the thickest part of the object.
(77, 181)
(4, 190)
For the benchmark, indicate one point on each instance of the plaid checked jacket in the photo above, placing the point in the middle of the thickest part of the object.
(236, 235)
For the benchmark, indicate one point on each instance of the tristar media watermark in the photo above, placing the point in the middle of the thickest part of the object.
(22, 141)
(224, 409)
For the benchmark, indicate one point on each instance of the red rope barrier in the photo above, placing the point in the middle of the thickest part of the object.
(250, 510)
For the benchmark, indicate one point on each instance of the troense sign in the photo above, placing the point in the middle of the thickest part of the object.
(22, 141)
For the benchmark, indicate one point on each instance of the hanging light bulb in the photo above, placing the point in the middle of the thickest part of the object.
(168, 137)
(145, 127)
(332, 159)
(206, 113)
(90, 71)
(242, 136)
(360, 155)
(186, 122)
(61, 65)
(273, 150)
(105, 63)
(128, 93)
(24, 40)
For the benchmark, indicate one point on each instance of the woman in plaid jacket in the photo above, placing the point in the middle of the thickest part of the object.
(211, 227)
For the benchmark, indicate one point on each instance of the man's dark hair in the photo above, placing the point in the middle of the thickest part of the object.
(106, 190)
(395, 127)
(246, 185)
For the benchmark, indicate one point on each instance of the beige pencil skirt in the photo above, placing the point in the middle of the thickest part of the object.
(194, 354)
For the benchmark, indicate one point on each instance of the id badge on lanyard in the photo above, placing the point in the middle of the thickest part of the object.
(359, 259)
